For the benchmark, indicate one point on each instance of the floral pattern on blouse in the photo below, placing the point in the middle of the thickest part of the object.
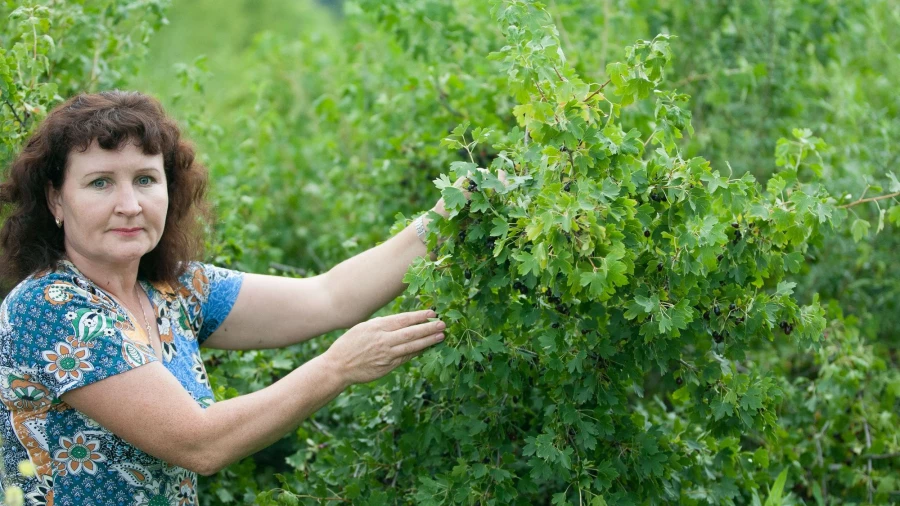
(59, 331)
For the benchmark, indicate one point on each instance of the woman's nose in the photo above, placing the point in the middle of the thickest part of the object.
(127, 202)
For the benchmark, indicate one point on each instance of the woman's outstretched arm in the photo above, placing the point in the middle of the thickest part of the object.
(161, 418)
(275, 311)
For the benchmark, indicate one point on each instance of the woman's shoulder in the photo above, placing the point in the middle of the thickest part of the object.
(57, 286)
(198, 277)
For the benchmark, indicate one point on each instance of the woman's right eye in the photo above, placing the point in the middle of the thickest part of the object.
(99, 184)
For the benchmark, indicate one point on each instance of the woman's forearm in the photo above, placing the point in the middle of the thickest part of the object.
(239, 427)
(368, 281)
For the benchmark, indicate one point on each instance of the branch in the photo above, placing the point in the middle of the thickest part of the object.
(15, 115)
(304, 496)
(870, 199)
(882, 456)
(592, 95)
(561, 78)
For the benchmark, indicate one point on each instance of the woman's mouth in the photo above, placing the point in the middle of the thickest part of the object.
(127, 231)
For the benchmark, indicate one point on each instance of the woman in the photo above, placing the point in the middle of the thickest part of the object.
(102, 385)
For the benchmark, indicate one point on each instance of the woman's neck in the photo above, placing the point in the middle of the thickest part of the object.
(118, 280)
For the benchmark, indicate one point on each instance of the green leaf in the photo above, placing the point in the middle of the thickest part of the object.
(859, 229)
(500, 227)
(793, 261)
(598, 500)
(894, 215)
(559, 499)
(785, 288)
(721, 409)
(775, 495)
(527, 263)
(616, 72)
(895, 184)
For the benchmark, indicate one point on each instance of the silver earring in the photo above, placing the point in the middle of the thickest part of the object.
(58, 222)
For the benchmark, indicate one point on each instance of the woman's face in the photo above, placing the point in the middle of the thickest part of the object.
(113, 204)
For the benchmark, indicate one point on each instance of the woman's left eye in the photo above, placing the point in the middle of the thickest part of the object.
(145, 180)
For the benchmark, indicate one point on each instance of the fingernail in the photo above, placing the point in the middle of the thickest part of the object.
(441, 325)
(440, 337)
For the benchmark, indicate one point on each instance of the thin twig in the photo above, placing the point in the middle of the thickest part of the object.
(541, 91)
(304, 496)
(15, 115)
(870, 199)
(882, 456)
(561, 78)
(689, 366)
(598, 90)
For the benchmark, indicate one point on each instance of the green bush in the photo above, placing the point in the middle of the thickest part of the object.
(580, 365)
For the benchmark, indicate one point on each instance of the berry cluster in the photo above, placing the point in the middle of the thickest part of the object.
(553, 299)
(472, 186)
(786, 327)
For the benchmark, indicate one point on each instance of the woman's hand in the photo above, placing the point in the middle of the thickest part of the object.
(439, 207)
(375, 347)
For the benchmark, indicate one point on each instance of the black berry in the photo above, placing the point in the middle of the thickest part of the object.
(462, 235)
(646, 233)
(717, 310)
(659, 267)
(732, 307)
(568, 186)
(719, 258)
(735, 225)
(555, 325)
(706, 315)
(717, 337)
(468, 274)
(679, 381)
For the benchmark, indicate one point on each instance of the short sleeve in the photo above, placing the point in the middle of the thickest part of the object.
(208, 294)
(67, 335)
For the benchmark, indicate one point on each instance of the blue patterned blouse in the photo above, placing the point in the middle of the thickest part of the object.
(59, 331)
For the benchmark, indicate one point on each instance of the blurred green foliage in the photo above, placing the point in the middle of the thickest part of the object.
(323, 133)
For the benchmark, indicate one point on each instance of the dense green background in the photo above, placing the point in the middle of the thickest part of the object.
(320, 124)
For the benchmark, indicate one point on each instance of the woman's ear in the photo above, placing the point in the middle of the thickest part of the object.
(53, 201)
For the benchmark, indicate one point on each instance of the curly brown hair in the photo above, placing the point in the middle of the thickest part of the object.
(30, 240)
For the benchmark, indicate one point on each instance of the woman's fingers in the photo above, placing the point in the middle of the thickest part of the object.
(401, 337)
(411, 348)
(398, 321)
